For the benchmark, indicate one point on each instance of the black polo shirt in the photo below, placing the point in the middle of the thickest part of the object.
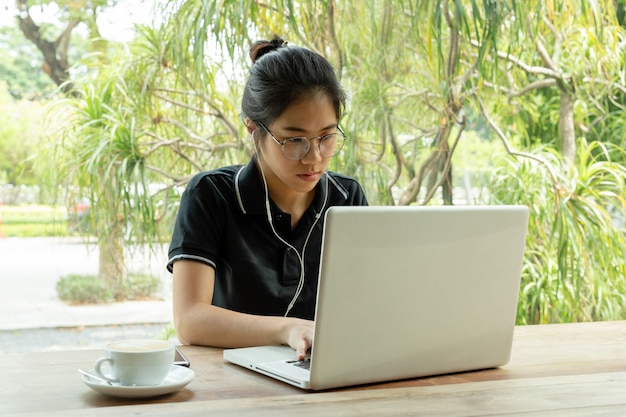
(222, 221)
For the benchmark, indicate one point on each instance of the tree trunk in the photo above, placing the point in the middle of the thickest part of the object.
(566, 127)
(112, 268)
(446, 173)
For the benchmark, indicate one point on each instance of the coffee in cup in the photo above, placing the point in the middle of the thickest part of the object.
(141, 362)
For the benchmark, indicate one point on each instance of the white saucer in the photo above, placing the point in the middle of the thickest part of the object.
(178, 377)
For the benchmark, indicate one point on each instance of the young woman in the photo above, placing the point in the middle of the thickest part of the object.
(246, 245)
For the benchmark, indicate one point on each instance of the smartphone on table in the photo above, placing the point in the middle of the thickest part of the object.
(180, 358)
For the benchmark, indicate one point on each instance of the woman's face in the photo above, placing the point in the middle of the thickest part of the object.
(312, 117)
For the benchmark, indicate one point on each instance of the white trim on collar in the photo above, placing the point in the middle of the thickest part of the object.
(338, 186)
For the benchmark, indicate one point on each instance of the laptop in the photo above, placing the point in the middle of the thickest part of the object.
(407, 292)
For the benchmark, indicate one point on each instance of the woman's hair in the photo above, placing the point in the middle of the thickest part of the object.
(282, 75)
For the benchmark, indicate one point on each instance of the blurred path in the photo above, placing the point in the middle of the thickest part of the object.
(31, 267)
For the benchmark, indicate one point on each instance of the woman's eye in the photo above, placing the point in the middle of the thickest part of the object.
(297, 140)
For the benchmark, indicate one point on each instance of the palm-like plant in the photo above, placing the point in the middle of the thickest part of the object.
(101, 156)
(575, 262)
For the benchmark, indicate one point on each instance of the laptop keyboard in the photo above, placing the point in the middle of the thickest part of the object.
(304, 364)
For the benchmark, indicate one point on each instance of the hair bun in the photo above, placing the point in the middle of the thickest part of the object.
(262, 47)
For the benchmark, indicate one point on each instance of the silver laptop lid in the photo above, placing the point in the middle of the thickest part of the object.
(415, 291)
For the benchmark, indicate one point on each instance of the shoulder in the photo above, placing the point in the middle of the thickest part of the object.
(224, 176)
(208, 197)
(211, 188)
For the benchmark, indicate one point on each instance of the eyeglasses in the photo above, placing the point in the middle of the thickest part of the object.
(294, 148)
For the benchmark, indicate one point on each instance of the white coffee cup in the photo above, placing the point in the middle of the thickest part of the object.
(141, 362)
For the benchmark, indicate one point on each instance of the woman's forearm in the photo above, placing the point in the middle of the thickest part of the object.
(208, 325)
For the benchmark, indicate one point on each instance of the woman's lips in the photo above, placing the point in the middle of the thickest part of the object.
(309, 176)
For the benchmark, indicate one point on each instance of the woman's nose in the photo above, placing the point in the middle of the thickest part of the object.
(314, 153)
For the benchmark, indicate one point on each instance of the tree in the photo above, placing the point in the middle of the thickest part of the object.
(54, 44)
(420, 75)
(561, 41)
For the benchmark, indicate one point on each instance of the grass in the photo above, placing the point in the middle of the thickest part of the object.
(34, 221)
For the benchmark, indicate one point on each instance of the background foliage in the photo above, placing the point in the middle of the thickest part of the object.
(451, 102)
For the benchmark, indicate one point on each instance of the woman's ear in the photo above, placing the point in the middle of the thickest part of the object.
(250, 125)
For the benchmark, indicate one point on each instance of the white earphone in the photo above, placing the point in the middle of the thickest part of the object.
(271, 222)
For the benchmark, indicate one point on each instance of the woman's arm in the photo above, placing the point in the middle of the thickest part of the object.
(198, 322)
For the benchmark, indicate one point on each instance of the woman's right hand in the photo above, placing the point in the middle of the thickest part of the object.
(300, 336)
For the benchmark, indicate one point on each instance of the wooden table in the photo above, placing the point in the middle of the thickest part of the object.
(555, 370)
